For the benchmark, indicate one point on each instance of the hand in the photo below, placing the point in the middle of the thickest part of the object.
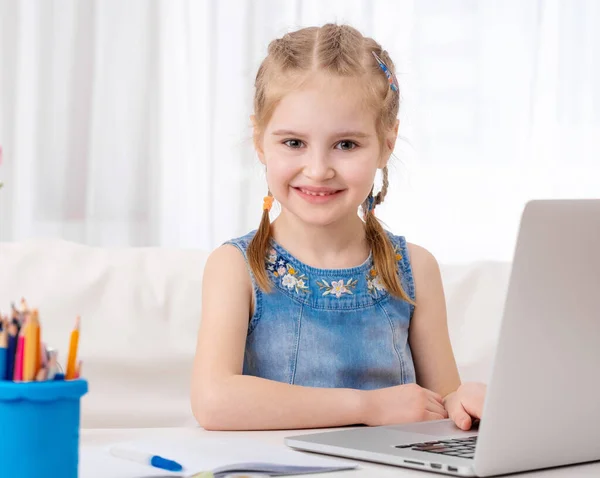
(402, 404)
(466, 404)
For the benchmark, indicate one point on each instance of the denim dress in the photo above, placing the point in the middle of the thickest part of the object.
(329, 327)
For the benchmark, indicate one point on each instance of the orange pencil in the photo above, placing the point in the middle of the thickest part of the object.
(40, 349)
(72, 358)
(38, 339)
(32, 348)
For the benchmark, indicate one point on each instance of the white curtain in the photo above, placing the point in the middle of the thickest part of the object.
(127, 122)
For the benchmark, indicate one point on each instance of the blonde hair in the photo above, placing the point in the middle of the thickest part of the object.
(342, 51)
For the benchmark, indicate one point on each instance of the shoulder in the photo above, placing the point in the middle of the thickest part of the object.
(226, 255)
(425, 267)
(418, 256)
(419, 263)
(242, 242)
(421, 258)
(227, 268)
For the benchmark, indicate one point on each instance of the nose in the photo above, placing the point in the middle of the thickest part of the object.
(318, 167)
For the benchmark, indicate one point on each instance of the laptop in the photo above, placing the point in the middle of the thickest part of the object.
(542, 407)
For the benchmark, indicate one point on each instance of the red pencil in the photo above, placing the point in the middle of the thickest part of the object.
(18, 376)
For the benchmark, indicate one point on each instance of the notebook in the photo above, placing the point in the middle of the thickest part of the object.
(220, 455)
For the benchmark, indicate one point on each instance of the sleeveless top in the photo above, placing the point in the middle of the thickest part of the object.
(329, 327)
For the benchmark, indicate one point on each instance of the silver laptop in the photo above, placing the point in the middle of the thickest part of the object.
(542, 407)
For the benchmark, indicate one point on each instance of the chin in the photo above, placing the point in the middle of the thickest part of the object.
(322, 218)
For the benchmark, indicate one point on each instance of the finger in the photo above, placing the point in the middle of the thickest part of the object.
(473, 408)
(435, 407)
(474, 400)
(438, 406)
(459, 416)
(436, 396)
(430, 416)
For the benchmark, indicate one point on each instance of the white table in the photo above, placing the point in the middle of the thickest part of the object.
(103, 437)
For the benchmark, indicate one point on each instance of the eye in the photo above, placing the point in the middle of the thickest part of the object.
(346, 145)
(293, 143)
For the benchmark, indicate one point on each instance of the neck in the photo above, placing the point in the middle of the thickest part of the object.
(335, 246)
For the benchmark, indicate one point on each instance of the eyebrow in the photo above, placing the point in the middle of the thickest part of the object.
(341, 134)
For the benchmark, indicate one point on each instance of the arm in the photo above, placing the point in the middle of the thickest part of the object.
(428, 336)
(223, 398)
(430, 344)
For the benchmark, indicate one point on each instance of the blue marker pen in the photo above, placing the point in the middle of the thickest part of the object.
(145, 458)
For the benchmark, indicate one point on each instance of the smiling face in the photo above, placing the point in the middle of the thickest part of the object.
(321, 150)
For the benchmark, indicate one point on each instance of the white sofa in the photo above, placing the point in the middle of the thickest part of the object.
(140, 310)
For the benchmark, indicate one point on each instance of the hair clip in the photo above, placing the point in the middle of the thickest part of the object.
(267, 203)
(371, 203)
(393, 81)
(370, 209)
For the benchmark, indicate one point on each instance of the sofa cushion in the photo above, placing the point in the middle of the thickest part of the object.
(140, 311)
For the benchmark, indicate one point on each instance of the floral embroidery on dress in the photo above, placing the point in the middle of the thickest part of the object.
(337, 288)
(290, 278)
(295, 280)
(374, 284)
(272, 257)
(397, 252)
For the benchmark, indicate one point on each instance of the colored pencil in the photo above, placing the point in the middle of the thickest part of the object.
(79, 367)
(42, 375)
(11, 350)
(39, 352)
(72, 357)
(3, 351)
(23, 355)
(32, 348)
(18, 375)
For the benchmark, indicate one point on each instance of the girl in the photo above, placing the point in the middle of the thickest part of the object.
(322, 318)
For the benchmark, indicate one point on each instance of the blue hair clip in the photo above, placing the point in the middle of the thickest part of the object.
(370, 203)
(392, 80)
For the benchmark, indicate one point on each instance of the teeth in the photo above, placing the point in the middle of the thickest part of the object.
(310, 193)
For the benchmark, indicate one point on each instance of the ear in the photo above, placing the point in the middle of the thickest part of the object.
(257, 139)
(389, 145)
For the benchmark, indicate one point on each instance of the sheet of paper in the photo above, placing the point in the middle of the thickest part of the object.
(198, 454)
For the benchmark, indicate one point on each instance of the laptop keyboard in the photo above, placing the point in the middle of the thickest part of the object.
(461, 447)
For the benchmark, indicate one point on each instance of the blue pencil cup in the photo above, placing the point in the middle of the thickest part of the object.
(39, 428)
